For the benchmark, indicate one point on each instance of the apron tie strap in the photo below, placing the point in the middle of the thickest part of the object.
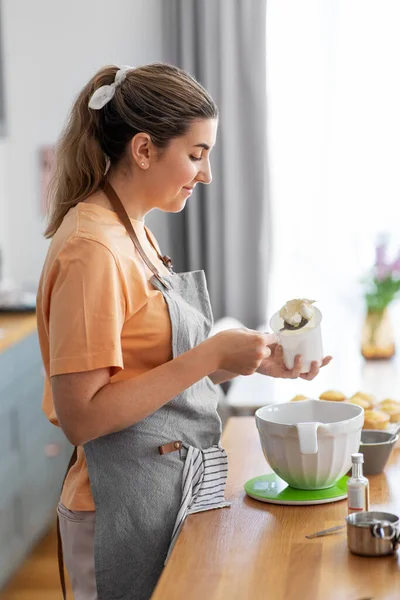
(125, 220)
(59, 541)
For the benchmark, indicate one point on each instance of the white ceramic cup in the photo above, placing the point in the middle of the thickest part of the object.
(306, 341)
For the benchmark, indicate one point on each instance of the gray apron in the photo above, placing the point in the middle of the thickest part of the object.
(148, 477)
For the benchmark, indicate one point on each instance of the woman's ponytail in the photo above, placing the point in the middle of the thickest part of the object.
(80, 162)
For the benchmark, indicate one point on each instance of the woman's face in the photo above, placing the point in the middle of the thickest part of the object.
(181, 166)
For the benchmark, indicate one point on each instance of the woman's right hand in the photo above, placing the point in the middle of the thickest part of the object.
(241, 350)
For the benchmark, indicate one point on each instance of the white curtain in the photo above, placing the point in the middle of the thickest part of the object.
(333, 90)
(225, 227)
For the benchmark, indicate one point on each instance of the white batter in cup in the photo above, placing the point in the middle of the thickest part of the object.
(306, 341)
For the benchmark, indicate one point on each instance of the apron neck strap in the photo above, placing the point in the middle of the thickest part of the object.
(125, 220)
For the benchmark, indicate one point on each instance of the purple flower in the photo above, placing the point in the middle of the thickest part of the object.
(396, 265)
(383, 271)
(380, 254)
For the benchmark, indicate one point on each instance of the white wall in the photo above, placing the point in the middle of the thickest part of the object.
(51, 48)
(3, 209)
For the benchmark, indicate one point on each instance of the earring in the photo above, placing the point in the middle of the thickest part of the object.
(142, 164)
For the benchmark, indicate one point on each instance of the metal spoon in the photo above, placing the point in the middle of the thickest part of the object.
(338, 527)
(290, 327)
(325, 532)
(394, 434)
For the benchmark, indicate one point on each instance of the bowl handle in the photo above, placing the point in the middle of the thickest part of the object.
(308, 437)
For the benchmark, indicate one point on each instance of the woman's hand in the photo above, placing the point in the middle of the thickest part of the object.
(274, 366)
(241, 351)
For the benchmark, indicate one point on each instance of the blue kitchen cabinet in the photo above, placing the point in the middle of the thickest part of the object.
(33, 456)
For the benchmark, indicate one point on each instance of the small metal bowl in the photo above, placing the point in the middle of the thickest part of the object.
(377, 446)
(372, 533)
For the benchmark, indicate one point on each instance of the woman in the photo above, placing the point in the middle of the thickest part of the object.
(131, 372)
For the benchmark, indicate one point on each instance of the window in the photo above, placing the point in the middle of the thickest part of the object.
(333, 94)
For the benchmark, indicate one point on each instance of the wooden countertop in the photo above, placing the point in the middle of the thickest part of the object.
(14, 327)
(255, 551)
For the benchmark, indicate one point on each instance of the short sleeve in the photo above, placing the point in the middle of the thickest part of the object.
(86, 309)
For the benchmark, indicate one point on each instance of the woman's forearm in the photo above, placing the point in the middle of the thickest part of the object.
(221, 376)
(121, 404)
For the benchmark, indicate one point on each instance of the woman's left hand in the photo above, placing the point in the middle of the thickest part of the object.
(274, 366)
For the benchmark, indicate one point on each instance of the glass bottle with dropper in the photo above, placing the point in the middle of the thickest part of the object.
(357, 486)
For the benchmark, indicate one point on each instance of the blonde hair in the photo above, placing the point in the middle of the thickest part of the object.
(159, 99)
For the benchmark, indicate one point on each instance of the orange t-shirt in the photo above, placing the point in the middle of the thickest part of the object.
(96, 309)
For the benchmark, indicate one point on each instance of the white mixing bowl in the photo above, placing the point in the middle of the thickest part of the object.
(309, 444)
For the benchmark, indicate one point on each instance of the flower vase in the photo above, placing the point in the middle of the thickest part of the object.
(377, 336)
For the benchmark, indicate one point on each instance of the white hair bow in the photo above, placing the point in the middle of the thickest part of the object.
(104, 93)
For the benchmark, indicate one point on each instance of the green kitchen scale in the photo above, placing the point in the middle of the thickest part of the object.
(273, 490)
